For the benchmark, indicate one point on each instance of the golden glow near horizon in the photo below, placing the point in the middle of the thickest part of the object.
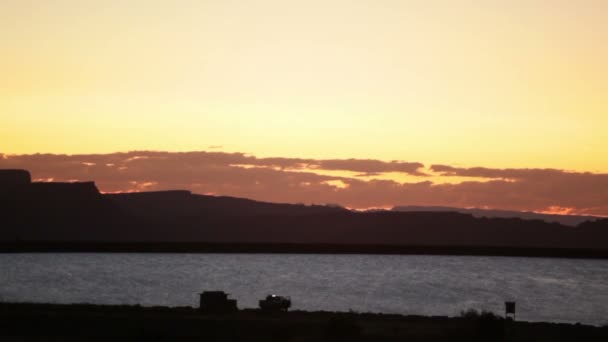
(489, 83)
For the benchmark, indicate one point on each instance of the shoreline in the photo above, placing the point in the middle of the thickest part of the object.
(293, 248)
(128, 322)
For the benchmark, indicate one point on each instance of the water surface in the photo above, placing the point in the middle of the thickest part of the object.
(559, 290)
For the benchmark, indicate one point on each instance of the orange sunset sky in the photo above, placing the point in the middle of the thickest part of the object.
(365, 103)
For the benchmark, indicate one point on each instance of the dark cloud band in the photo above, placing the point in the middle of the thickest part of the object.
(296, 180)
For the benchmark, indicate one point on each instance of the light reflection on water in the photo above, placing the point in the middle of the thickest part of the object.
(564, 290)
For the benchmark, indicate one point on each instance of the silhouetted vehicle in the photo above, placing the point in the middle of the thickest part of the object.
(275, 303)
(216, 302)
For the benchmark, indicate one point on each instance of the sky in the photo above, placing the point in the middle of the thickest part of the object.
(472, 85)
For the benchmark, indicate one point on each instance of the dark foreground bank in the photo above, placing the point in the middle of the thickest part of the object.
(80, 322)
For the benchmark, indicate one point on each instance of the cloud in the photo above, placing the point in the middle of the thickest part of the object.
(514, 174)
(581, 192)
(296, 180)
(366, 166)
(371, 166)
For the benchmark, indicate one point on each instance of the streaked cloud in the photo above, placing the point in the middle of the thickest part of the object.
(298, 180)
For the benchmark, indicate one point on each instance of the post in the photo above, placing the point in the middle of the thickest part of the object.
(510, 309)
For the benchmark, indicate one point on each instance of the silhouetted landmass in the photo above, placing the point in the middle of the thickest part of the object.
(82, 322)
(77, 215)
(567, 220)
(181, 203)
(299, 248)
(14, 178)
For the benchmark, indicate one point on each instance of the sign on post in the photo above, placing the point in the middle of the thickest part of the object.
(510, 309)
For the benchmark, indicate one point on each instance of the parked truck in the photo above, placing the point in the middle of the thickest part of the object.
(275, 303)
(216, 302)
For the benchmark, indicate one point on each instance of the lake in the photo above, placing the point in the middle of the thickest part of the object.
(545, 289)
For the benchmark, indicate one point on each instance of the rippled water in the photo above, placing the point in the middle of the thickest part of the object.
(564, 290)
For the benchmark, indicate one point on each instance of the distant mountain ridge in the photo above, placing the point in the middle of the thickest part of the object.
(154, 203)
(568, 220)
(79, 212)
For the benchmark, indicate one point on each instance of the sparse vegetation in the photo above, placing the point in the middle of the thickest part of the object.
(473, 313)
